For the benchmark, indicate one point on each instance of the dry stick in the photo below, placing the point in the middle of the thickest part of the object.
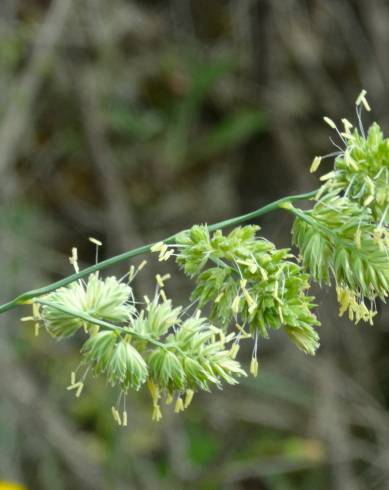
(28, 296)
(17, 114)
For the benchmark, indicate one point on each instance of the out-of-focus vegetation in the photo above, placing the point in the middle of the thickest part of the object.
(128, 121)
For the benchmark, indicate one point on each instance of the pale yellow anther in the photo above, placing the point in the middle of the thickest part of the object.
(328, 176)
(357, 311)
(350, 315)
(361, 99)
(330, 122)
(315, 164)
(280, 314)
(234, 350)
(159, 280)
(131, 273)
(73, 259)
(252, 308)
(79, 389)
(169, 399)
(158, 247)
(370, 185)
(254, 366)
(163, 295)
(243, 283)
(368, 200)
(113, 411)
(347, 125)
(27, 319)
(188, 398)
(347, 136)
(253, 267)
(198, 314)
(76, 386)
(248, 298)
(230, 337)
(157, 415)
(72, 378)
(95, 241)
(142, 265)
(124, 418)
(154, 391)
(235, 304)
(147, 299)
(116, 416)
(246, 294)
(179, 405)
(219, 297)
(263, 273)
(166, 256)
(35, 310)
(245, 334)
(242, 262)
(275, 290)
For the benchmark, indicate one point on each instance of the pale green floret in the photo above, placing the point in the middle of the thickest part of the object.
(305, 338)
(167, 370)
(98, 350)
(104, 299)
(157, 319)
(126, 368)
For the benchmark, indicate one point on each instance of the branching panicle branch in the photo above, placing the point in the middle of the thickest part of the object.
(249, 286)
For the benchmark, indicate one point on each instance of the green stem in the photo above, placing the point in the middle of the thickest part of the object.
(101, 323)
(29, 295)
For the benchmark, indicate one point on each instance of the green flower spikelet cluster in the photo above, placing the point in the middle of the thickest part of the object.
(106, 299)
(247, 280)
(345, 237)
(337, 240)
(176, 354)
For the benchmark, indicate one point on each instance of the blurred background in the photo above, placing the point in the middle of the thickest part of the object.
(128, 121)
